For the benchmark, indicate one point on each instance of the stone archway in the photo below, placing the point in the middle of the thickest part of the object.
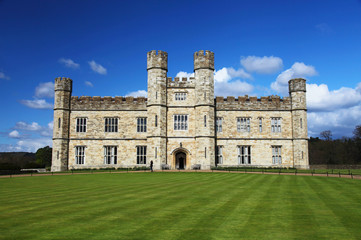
(180, 160)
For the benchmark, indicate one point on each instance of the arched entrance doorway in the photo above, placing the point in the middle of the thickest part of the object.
(180, 160)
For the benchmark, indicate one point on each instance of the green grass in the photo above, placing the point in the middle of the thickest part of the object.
(179, 206)
(293, 170)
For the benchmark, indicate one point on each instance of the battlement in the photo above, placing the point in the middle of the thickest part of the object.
(157, 59)
(297, 85)
(203, 59)
(108, 103)
(181, 82)
(253, 103)
(63, 84)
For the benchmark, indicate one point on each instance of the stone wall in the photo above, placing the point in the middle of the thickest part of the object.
(199, 141)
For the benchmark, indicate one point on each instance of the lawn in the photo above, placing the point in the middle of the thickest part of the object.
(179, 206)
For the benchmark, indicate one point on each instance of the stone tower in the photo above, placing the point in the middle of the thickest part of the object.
(157, 67)
(63, 88)
(204, 107)
(297, 89)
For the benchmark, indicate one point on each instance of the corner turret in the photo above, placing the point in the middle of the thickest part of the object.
(203, 60)
(157, 59)
(62, 100)
(297, 85)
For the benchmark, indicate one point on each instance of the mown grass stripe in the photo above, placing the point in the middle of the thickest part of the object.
(179, 206)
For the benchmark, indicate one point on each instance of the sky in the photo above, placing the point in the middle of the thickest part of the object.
(258, 44)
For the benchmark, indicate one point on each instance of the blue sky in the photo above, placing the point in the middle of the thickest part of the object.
(102, 46)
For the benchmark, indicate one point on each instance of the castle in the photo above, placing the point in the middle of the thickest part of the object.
(181, 125)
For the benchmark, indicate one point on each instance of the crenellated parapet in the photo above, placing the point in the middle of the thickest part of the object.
(157, 59)
(253, 103)
(297, 85)
(107, 103)
(203, 59)
(180, 82)
(63, 84)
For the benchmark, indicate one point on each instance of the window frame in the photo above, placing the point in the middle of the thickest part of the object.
(81, 124)
(110, 157)
(219, 154)
(80, 155)
(141, 124)
(180, 96)
(180, 122)
(276, 155)
(141, 151)
(244, 153)
(219, 122)
(276, 124)
(243, 124)
(113, 126)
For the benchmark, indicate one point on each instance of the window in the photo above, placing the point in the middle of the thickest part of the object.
(57, 154)
(59, 122)
(111, 124)
(205, 121)
(156, 120)
(260, 124)
(180, 122)
(205, 96)
(81, 125)
(301, 122)
(276, 155)
(80, 154)
(244, 154)
(181, 96)
(110, 155)
(142, 124)
(205, 152)
(219, 124)
(141, 154)
(219, 155)
(243, 125)
(276, 125)
(155, 152)
(156, 95)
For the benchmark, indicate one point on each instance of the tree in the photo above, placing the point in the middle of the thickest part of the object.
(43, 156)
(357, 132)
(327, 135)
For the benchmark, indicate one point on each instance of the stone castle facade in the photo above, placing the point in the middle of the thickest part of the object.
(181, 125)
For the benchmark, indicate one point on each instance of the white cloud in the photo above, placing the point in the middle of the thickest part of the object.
(14, 134)
(37, 104)
(3, 76)
(225, 83)
(336, 110)
(262, 65)
(234, 88)
(226, 74)
(139, 93)
(35, 137)
(34, 126)
(32, 145)
(89, 84)
(298, 70)
(10, 148)
(341, 122)
(97, 67)
(184, 74)
(320, 98)
(45, 90)
(69, 63)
